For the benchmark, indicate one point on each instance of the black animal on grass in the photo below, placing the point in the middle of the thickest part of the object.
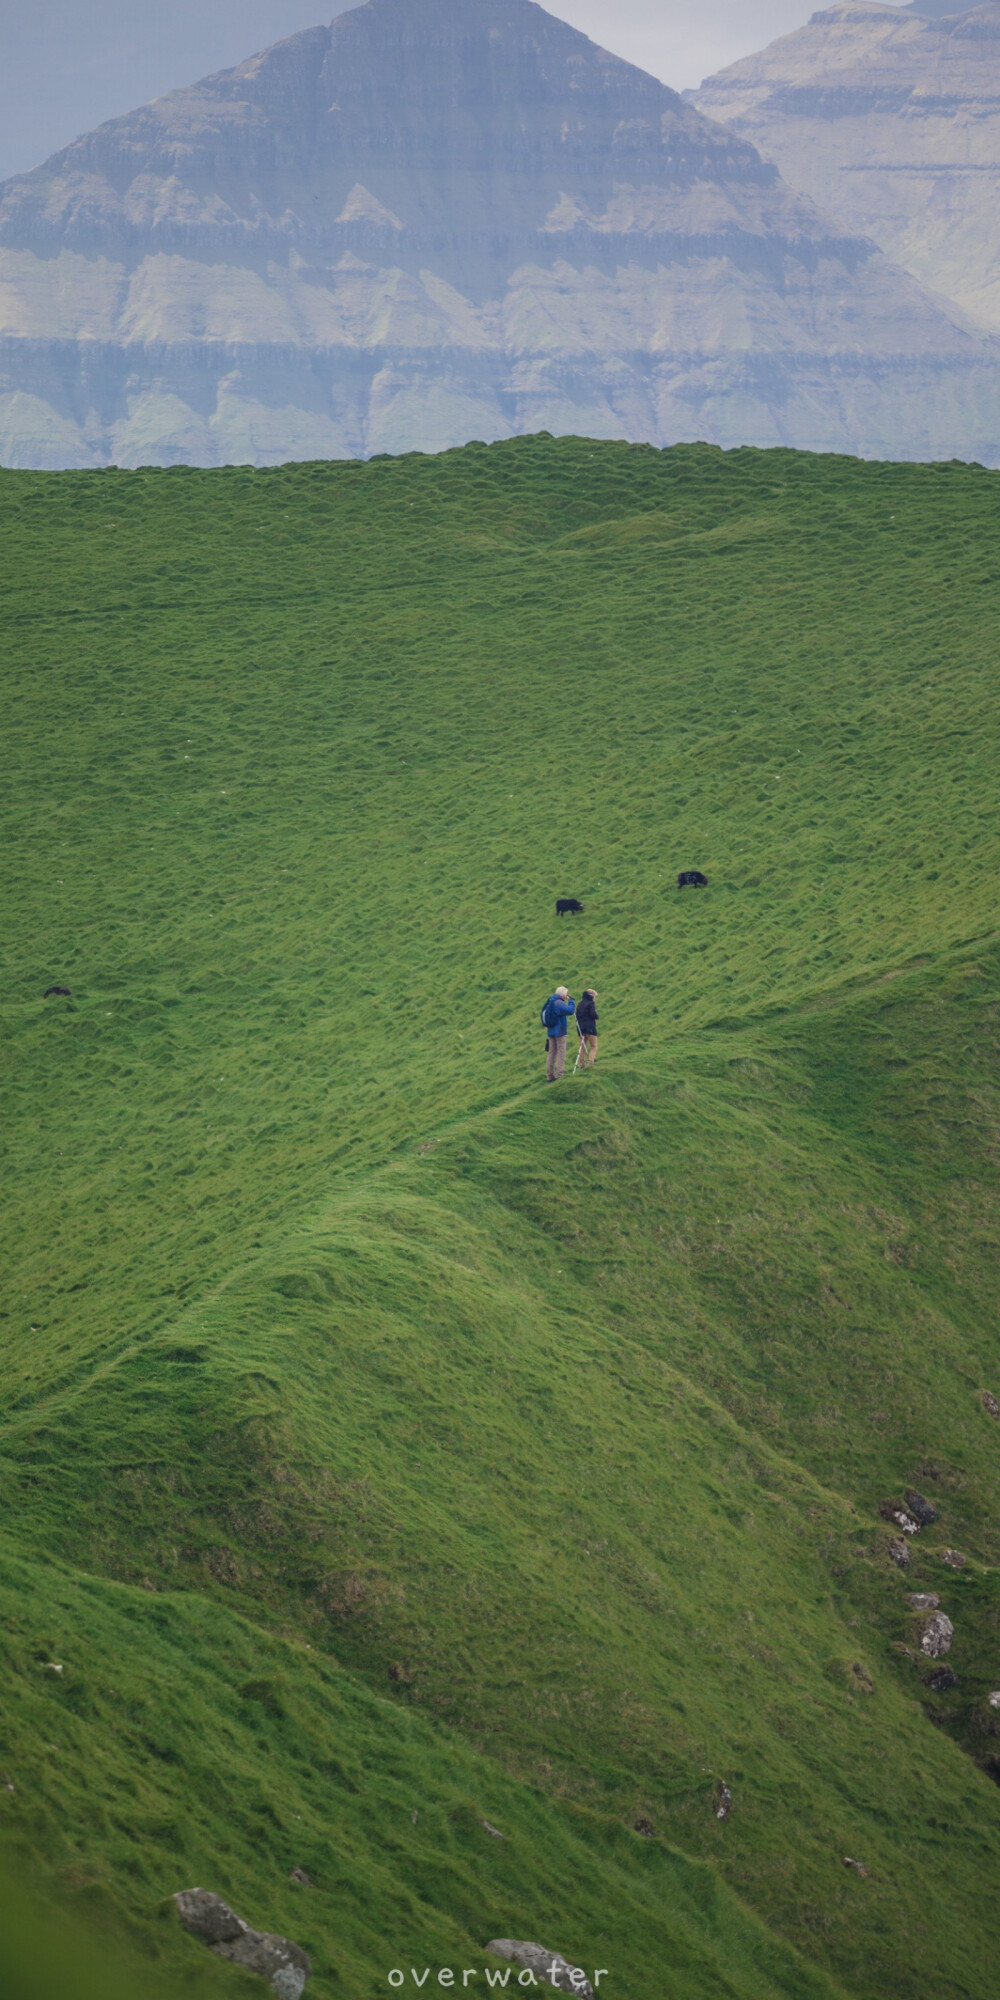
(567, 906)
(692, 878)
(57, 993)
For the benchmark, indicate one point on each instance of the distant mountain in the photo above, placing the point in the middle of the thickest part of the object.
(445, 219)
(891, 117)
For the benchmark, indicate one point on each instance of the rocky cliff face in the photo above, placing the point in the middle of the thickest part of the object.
(445, 219)
(891, 117)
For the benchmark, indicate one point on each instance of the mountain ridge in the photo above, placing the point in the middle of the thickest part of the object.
(893, 115)
(437, 221)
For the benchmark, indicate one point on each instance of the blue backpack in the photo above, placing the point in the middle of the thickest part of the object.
(547, 1021)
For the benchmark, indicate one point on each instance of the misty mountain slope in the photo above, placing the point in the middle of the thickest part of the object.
(892, 119)
(444, 219)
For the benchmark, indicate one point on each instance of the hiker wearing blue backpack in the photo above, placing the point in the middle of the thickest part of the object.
(555, 1014)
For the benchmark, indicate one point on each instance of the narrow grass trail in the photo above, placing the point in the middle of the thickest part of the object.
(391, 1444)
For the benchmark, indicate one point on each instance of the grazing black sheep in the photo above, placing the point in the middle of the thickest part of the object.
(567, 906)
(57, 993)
(692, 878)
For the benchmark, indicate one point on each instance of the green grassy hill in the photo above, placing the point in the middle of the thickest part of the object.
(391, 1444)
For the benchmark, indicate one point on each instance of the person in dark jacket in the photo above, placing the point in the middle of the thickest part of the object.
(586, 1021)
(557, 1013)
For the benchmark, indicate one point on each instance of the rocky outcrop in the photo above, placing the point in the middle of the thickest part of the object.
(941, 1681)
(550, 1968)
(283, 1964)
(891, 118)
(923, 1510)
(937, 1633)
(439, 220)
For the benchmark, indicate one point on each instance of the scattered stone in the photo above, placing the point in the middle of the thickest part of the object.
(937, 1635)
(991, 1406)
(941, 1680)
(900, 1553)
(953, 1559)
(924, 1600)
(7, 1784)
(207, 1917)
(723, 1801)
(993, 1699)
(493, 1831)
(283, 1964)
(299, 1875)
(890, 1510)
(922, 1510)
(552, 1969)
(399, 1671)
(53, 1666)
(414, 1818)
(644, 1826)
(858, 1865)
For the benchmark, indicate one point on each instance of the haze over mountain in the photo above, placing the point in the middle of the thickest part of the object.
(892, 119)
(438, 220)
(71, 64)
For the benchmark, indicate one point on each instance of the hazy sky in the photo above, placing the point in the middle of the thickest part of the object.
(66, 65)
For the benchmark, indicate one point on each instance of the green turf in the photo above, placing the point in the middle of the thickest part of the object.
(383, 1432)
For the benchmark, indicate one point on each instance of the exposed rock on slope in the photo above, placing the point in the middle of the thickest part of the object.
(445, 219)
(548, 1968)
(284, 1965)
(891, 118)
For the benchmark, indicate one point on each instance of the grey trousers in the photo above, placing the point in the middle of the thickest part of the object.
(555, 1057)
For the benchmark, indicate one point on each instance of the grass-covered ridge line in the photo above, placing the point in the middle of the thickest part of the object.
(237, 1757)
(332, 1329)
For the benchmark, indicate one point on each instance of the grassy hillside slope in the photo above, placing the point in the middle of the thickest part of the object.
(384, 1433)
